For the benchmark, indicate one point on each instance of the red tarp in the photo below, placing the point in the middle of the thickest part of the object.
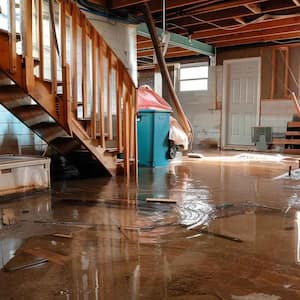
(147, 99)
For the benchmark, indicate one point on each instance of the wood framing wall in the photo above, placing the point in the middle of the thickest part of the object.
(280, 70)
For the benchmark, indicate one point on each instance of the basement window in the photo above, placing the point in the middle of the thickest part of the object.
(193, 78)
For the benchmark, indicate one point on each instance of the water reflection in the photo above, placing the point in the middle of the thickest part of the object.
(144, 251)
(8, 248)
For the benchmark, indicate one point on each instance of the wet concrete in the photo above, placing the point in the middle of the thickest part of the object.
(234, 233)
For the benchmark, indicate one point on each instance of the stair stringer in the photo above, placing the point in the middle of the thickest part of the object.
(40, 92)
(106, 159)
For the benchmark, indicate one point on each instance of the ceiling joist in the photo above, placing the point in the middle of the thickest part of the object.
(180, 41)
(254, 8)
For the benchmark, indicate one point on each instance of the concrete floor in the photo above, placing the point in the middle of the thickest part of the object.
(233, 234)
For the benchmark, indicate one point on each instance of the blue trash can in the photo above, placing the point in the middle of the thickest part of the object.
(153, 137)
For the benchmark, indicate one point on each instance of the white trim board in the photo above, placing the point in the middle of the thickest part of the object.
(224, 116)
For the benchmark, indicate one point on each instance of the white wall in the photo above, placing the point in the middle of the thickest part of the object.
(15, 137)
(121, 38)
(200, 108)
(276, 113)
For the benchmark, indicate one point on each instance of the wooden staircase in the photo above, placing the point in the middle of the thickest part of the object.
(87, 100)
(291, 141)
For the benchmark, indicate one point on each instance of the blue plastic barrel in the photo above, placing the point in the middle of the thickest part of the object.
(153, 137)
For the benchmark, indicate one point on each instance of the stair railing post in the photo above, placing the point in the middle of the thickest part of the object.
(65, 68)
(27, 43)
(12, 37)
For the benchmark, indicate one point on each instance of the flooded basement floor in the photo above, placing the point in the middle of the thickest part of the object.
(234, 233)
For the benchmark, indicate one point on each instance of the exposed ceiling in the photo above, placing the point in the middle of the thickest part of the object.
(220, 23)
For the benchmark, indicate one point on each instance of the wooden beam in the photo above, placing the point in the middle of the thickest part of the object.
(165, 72)
(94, 83)
(266, 24)
(297, 2)
(213, 8)
(273, 69)
(41, 39)
(74, 59)
(254, 8)
(27, 45)
(109, 96)
(12, 37)
(101, 92)
(83, 63)
(256, 34)
(214, 16)
(262, 39)
(119, 106)
(156, 6)
(117, 4)
(240, 20)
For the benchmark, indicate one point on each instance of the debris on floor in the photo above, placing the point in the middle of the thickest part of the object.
(291, 174)
(165, 200)
(23, 261)
(195, 155)
(63, 235)
(49, 255)
(8, 216)
(256, 296)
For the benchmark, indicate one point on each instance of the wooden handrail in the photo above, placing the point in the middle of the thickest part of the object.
(296, 103)
(100, 125)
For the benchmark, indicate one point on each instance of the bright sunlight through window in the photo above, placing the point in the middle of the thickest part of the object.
(193, 78)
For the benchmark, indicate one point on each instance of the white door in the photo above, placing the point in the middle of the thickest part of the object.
(242, 93)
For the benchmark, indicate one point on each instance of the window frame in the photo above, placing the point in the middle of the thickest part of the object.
(193, 65)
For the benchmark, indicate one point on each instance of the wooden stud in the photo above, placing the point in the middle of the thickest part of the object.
(101, 93)
(63, 33)
(273, 73)
(126, 113)
(286, 72)
(94, 84)
(133, 139)
(240, 20)
(297, 2)
(67, 105)
(74, 59)
(254, 7)
(119, 106)
(109, 97)
(27, 34)
(41, 39)
(165, 72)
(84, 69)
(53, 51)
(12, 37)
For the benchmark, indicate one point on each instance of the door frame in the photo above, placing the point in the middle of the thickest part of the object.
(224, 127)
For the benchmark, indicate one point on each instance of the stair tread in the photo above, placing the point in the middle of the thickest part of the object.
(292, 133)
(286, 141)
(46, 125)
(291, 151)
(5, 33)
(11, 92)
(294, 124)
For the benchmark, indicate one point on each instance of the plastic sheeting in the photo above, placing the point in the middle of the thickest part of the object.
(148, 99)
(177, 135)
